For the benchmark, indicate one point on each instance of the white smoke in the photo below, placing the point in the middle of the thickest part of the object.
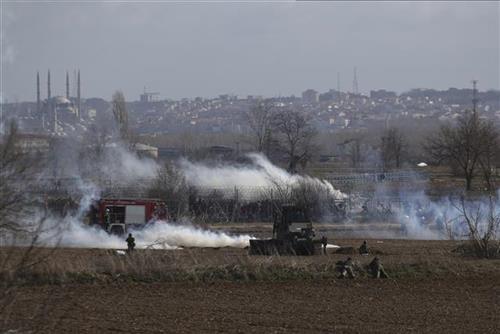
(157, 235)
(120, 164)
(425, 218)
(262, 174)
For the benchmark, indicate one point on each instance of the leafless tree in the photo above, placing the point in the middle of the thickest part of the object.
(296, 134)
(120, 114)
(93, 148)
(487, 161)
(170, 185)
(353, 151)
(16, 171)
(468, 144)
(392, 147)
(22, 215)
(483, 225)
(259, 118)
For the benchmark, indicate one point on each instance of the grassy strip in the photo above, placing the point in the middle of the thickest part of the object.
(138, 270)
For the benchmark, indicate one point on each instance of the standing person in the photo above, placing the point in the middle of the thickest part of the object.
(324, 242)
(130, 243)
(107, 219)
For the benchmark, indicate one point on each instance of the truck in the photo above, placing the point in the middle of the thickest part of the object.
(287, 240)
(119, 215)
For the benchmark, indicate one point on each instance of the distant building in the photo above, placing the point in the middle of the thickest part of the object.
(382, 94)
(57, 109)
(310, 96)
(331, 95)
(147, 97)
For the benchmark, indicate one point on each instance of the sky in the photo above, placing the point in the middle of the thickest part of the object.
(270, 48)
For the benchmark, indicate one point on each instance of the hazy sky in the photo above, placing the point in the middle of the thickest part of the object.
(269, 48)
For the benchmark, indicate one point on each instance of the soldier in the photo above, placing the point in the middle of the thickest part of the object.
(363, 249)
(107, 218)
(345, 268)
(376, 269)
(324, 242)
(130, 243)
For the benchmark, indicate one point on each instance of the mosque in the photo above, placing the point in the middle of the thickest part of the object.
(58, 113)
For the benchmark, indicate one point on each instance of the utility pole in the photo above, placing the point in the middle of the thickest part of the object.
(474, 96)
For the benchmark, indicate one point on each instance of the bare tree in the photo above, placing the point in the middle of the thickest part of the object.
(120, 114)
(467, 144)
(259, 119)
(483, 225)
(22, 215)
(353, 151)
(16, 170)
(392, 147)
(296, 137)
(170, 185)
(490, 155)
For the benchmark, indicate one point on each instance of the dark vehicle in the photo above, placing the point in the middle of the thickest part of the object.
(285, 241)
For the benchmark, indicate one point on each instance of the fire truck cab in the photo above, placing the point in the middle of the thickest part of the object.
(117, 216)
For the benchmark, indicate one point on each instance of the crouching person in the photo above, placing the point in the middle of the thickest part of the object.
(376, 269)
(345, 268)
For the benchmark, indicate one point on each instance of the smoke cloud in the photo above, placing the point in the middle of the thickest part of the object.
(157, 235)
(262, 174)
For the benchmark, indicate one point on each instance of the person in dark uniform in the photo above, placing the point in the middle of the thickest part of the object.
(345, 268)
(363, 249)
(324, 242)
(130, 243)
(376, 269)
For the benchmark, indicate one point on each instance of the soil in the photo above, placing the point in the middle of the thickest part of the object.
(457, 305)
(464, 297)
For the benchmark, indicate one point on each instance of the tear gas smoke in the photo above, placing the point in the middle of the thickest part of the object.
(158, 235)
(262, 174)
(118, 163)
(424, 218)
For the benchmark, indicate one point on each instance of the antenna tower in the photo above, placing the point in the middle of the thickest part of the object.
(355, 88)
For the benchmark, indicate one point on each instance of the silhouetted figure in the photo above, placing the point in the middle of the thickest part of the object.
(324, 242)
(376, 269)
(363, 249)
(130, 243)
(107, 218)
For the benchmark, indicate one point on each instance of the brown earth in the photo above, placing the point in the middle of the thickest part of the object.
(431, 289)
(456, 305)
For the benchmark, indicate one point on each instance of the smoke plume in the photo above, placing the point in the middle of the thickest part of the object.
(262, 174)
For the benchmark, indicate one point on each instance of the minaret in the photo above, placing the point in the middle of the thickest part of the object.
(37, 94)
(78, 96)
(48, 85)
(67, 85)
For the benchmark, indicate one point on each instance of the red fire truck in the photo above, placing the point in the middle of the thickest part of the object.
(118, 215)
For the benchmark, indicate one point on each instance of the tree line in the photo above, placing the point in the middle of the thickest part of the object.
(469, 146)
